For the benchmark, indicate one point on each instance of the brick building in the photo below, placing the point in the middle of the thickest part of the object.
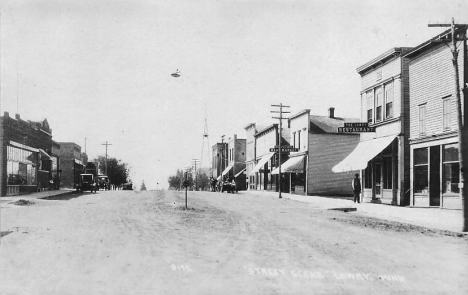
(382, 157)
(25, 155)
(236, 161)
(434, 165)
(220, 160)
(321, 147)
(72, 164)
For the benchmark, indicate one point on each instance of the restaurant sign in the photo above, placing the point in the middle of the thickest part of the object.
(355, 128)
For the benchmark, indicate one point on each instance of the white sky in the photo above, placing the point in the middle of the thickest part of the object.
(101, 69)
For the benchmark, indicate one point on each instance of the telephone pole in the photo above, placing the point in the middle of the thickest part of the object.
(106, 144)
(458, 33)
(281, 118)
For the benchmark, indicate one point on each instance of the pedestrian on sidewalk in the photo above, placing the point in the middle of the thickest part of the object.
(356, 185)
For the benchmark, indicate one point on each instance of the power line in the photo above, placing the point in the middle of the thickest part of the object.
(281, 118)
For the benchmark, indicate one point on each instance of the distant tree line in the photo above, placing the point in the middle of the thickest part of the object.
(198, 181)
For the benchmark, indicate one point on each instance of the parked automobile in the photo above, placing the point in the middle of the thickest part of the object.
(103, 182)
(127, 186)
(87, 183)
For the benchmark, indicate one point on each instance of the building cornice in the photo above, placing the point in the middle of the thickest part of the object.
(298, 114)
(383, 58)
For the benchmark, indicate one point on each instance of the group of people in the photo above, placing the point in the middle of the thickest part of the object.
(227, 184)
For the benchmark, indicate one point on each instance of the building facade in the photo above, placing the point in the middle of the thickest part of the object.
(236, 161)
(320, 148)
(266, 161)
(71, 162)
(434, 166)
(383, 156)
(250, 131)
(26, 162)
(219, 161)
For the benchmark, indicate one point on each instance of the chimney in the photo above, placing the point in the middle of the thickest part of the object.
(331, 112)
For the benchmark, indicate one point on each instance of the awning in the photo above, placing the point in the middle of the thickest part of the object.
(363, 153)
(293, 165)
(24, 147)
(44, 155)
(261, 163)
(242, 171)
(227, 170)
(78, 162)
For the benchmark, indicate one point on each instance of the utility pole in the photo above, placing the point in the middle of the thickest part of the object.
(106, 144)
(280, 106)
(194, 163)
(462, 117)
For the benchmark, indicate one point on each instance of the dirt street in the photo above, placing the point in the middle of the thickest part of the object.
(125, 242)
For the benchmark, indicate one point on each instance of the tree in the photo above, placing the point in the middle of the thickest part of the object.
(117, 171)
(203, 181)
(143, 186)
(176, 181)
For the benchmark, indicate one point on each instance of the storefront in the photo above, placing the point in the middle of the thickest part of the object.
(293, 173)
(379, 160)
(435, 174)
(21, 168)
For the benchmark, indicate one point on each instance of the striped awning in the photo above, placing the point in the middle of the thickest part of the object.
(261, 163)
(293, 165)
(242, 171)
(363, 153)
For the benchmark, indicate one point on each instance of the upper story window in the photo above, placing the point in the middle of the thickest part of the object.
(447, 107)
(294, 139)
(422, 119)
(369, 107)
(378, 105)
(388, 101)
(299, 139)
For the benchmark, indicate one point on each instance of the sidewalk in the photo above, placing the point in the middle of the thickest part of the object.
(436, 218)
(38, 195)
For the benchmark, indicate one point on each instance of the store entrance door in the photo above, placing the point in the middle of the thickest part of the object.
(434, 176)
(378, 180)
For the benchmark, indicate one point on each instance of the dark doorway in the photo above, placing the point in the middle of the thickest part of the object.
(434, 176)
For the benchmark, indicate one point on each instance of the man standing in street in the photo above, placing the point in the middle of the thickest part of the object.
(356, 184)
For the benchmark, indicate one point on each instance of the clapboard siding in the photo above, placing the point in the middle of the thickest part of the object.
(432, 79)
(326, 151)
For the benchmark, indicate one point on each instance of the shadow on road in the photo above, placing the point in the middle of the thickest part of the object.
(65, 197)
(4, 233)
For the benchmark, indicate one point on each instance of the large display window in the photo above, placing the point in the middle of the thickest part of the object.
(21, 166)
(421, 171)
(451, 169)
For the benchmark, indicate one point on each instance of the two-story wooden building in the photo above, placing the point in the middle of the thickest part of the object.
(320, 147)
(434, 165)
(383, 156)
(266, 161)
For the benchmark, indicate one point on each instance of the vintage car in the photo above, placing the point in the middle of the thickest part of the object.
(127, 186)
(103, 182)
(87, 183)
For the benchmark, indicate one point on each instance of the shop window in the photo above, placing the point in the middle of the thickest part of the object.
(369, 107)
(388, 101)
(422, 119)
(387, 172)
(298, 139)
(368, 176)
(451, 169)
(421, 171)
(378, 106)
(447, 107)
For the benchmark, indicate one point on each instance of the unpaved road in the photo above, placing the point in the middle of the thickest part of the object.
(125, 242)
